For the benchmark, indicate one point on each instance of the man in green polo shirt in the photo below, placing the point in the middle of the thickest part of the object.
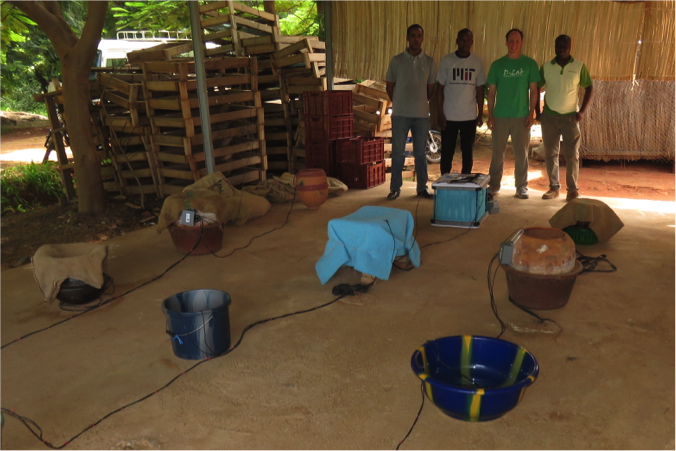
(561, 79)
(512, 94)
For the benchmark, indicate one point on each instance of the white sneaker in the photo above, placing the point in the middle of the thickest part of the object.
(522, 193)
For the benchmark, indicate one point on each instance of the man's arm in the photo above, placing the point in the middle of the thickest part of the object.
(534, 95)
(491, 104)
(538, 112)
(430, 91)
(480, 105)
(585, 101)
(441, 117)
(389, 87)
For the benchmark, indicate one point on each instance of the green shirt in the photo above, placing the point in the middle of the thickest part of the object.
(562, 85)
(512, 77)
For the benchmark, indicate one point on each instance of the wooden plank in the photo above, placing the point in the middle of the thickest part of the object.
(171, 158)
(238, 164)
(291, 60)
(252, 24)
(173, 86)
(176, 173)
(220, 50)
(258, 40)
(360, 99)
(344, 87)
(253, 11)
(237, 148)
(217, 20)
(371, 92)
(264, 79)
(212, 6)
(260, 49)
(280, 122)
(284, 136)
(211, 37)
(299, 47)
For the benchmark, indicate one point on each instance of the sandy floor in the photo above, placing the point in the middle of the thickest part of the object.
(339, 377)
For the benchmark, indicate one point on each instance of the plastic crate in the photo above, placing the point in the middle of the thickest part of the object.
(321, 155)
(362, 176)
(360, 150)
(328, 128)
(327, 103)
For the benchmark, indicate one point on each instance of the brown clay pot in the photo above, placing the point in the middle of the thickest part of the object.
(544, 250)
(312, 188)
(185, 238)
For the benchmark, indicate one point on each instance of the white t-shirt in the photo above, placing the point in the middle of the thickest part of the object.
(460, 77)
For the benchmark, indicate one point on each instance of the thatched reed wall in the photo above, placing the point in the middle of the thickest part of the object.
(605, 34)
(629, 121)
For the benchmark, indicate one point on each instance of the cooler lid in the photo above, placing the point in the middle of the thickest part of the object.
(471, 181)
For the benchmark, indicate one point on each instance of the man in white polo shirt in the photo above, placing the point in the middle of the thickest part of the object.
(410, 83)
(561, 79)
(460, 101)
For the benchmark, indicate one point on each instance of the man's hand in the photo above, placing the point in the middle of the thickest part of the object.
(441, 119)
(579, 115)
(529, 121)
(479, 120)
(490, 123)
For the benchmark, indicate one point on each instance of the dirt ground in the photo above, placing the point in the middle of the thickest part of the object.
(61, 224)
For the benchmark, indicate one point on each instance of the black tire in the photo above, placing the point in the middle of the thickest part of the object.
(433, 150)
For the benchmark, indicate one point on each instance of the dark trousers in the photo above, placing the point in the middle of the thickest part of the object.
(449, 135)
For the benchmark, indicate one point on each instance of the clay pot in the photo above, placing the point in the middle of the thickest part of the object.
(186, 237)
(312, 188)
(544, 250)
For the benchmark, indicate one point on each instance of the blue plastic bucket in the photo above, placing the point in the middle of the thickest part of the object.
(198, 322)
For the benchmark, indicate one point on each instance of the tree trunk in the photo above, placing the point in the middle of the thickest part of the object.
(76, 102)
(76, 55)
(269, 7)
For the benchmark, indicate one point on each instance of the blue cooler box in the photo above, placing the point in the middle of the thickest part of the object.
(460, 200)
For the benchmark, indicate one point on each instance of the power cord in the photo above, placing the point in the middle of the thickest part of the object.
(35, 429)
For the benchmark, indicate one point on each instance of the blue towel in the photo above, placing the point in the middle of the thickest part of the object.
(369, 240)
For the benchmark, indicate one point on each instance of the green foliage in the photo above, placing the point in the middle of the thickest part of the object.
(29, 186)
(153, 15)
(14, 26)
(298, 18)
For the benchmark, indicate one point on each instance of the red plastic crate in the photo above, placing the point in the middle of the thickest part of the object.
(328, 128)
(321, 155)
(327, 103)
(362, 176)
(360, 150)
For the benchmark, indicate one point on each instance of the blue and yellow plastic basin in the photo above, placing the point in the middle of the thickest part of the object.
(474, 378)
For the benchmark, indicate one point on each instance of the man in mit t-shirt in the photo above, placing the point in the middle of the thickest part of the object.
(512, 95)
(460, 100)
(410, 83)
(562, 78)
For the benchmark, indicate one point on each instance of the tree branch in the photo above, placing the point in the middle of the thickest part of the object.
(91, 33)
(53, 7)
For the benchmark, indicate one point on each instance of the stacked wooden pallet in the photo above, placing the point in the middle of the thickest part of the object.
(372, 110)
(236, 111)
(125, 131)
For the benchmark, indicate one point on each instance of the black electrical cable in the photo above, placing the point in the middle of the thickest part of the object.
(107, 301)
(422, 404)
(589, 264)
(32, 426)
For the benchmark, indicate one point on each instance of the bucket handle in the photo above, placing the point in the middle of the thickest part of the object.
(176, 337)
(418, 364)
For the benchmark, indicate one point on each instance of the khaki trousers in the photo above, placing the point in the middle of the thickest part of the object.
(504, 128)
(553, 128)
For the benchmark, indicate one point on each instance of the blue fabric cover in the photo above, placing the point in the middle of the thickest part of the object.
(369, 240)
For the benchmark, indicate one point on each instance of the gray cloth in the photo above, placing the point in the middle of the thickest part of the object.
(553, 128)
(504, 127)
(411, 75)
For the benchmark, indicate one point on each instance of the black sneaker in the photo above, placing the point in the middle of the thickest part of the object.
(426, 194)
(393, 195)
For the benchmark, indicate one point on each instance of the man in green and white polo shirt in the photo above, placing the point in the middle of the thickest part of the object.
(512, 95)
(561, 79)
